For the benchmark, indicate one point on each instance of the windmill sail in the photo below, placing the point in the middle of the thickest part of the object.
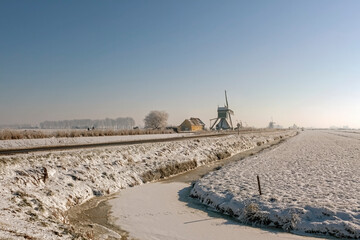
(227, 104)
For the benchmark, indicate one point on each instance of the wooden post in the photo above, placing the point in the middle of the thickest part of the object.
(258, 180)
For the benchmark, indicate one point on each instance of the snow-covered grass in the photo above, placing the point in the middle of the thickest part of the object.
(310, 183)
(37, 189)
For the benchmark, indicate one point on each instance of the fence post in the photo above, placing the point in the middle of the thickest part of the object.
(258, 180)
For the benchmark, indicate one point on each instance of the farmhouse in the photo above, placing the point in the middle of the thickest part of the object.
(192, 124)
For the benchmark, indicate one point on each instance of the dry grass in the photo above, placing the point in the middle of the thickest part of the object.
(8, 134)
(168, 170)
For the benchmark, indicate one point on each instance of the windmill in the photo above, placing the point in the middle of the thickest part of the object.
(271, 123)
(223, 121)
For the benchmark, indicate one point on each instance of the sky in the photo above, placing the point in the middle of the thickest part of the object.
(297, 62)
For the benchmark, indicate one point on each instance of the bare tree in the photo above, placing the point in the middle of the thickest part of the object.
(156, 119)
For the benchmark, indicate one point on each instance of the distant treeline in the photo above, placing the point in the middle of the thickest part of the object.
(118, 123)
(18, 126)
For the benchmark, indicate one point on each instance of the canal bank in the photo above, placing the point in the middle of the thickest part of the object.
(95, 217)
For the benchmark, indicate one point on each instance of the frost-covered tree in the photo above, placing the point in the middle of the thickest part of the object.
(156, 119)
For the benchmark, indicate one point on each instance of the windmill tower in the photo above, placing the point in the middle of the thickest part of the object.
(223, 120)
(271, 123)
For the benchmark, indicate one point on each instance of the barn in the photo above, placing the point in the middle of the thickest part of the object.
(192, 124)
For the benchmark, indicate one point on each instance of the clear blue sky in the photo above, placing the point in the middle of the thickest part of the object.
(295, 61)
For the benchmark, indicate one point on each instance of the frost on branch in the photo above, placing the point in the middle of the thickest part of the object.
(156, 119)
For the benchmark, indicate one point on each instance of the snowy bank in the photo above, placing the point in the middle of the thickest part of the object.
(309, 184)
(37, 189)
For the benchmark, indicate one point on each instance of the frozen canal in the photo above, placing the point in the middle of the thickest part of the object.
(164, 210)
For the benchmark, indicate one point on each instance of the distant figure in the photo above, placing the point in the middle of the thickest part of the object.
(88, 129)
(93, 128)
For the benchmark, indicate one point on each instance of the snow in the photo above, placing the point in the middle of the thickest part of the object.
(164, 211)
(310, 184)
(31, 143)
(38, 188)
(344, 133)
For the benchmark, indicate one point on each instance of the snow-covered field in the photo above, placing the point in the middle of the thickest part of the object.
(310, 183)
(37, 189)
(31, 143)
(350, 133)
